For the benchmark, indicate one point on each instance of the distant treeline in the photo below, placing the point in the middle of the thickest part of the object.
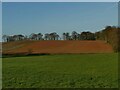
(51, 36)
(110, 34)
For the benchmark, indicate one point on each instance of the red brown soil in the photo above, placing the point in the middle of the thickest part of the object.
(54, 47)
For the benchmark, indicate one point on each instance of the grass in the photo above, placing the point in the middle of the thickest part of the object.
(61, 71)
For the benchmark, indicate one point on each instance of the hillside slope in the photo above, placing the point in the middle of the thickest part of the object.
(59, 47)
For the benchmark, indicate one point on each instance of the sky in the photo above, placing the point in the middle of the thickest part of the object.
(46, 17)
(60, 0)
(0, 22)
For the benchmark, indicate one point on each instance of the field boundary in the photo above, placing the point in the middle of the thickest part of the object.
(42, 54)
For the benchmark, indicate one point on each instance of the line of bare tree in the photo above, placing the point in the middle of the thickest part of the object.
(51, 36)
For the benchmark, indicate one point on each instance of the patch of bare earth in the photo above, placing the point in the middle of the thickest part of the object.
(57, 47)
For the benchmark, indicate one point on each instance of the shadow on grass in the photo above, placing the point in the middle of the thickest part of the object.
(22, 55)
(40, 54)
(60, 89)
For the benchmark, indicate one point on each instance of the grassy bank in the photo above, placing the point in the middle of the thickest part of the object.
(74, 71)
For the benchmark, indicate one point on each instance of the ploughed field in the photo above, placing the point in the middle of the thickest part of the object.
(56, 47)
(61, 71)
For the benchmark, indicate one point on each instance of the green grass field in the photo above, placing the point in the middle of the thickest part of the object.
(61, 71)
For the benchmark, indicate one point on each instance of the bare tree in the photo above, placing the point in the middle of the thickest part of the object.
(40, 36)
(74, 35)
(5, 38)
(64, 36)
(33, 36)
(46, 37)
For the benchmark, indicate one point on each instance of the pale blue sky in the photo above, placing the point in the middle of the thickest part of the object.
(60, 0)
(0, 22)
(27, 18)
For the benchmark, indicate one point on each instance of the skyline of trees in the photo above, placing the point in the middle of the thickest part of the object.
(51, 36)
